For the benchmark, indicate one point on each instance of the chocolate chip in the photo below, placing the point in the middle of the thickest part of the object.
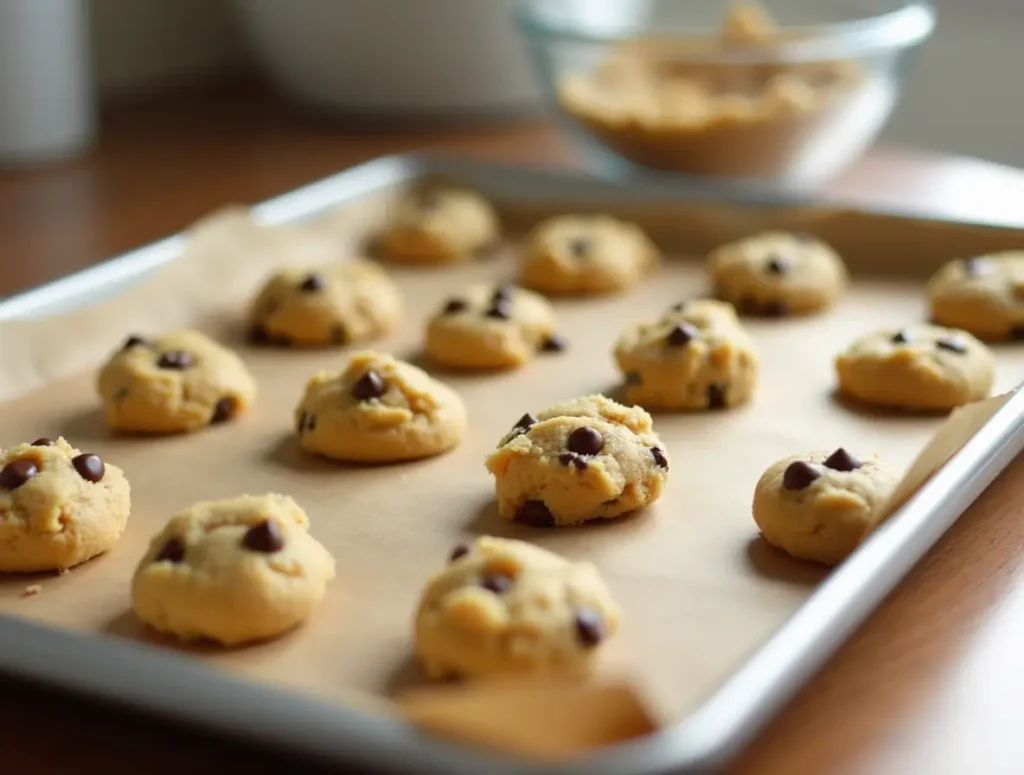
(799, 475)
(264, 537)
(224, 410)
(681, 334)
(526, 422)
(172, 551)
(579, 246)
(777, 265)
(121, 394)
(134, 341)
(554, 344)
(841, 460)
(368, 386)
(175, 359)
(16, 473)
(498, 583)
(585, 441)
(258, 333)
(900, 337)
(659, 457)
(633, 378)
(502, 293)
(312, 283)
(459, 551)
(572, 459)
(535, 513)
(338, 334)
(589, 626)
(455, 305)
(90, 467)
(679, 306)
(952, 343)
(307, 422)
(716, 396)
(776, 308)
(1017, 333)
(975, 266)
(499, 309)
(43, 442)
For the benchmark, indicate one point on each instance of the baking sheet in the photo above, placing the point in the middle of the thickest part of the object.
(699, 591)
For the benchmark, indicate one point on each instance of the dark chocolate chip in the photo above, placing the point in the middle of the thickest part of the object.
(498, 583)
(799, 475)
(679, 306)
(681, 334)
(368, 386)
(659, 457)
(121, 394)
(134, 341)
(258, 334)
(224, 410)
(43, 442)
(90, 467)
(1017, 333)
(554, 344)
(313, 283)
(307, 422)
(455, 305)
(572, 459)
(585, 441)
(952, 343)
(502, 293)
(526, 422)
(841, 460)
(172, 551)
(499, 309)
(176, 359)
(633, 378)
(776, 308)
(589, 627)
(264, 537)
(535, 514)
(716, 396)
(900, 337)
(459, 551)
(338, 334)
(16, 473)
(579, 246)
(777, 265)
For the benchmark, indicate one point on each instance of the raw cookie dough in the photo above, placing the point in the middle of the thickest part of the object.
(439, 225)
(916, 367)
(678, 103)
(695, 356)
(379, 410)
(492, 327)
(777, 273)
(983, 295)
(586, 254)
(819, 506)
(590, 458)
(347, 301)
(175, 382)
(232, 571)
(58, 506)
(505, 607)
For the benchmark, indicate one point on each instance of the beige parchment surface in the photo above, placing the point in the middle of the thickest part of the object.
(698, 589)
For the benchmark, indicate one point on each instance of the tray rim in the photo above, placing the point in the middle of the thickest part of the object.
(178, 688)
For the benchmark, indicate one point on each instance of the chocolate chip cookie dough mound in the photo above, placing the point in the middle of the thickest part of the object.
(505, 607)
(819, 506)
(341, 303)
(581, 460)
(58, 506)
(439, 225)
(172, 383)
(917, 367)
(695, 356)
(379, 410)
(489, 326)
(232, 571)
(983, 295)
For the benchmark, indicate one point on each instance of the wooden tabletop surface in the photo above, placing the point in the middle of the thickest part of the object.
(931, 684)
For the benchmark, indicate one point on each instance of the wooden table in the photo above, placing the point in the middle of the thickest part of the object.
(932, 684)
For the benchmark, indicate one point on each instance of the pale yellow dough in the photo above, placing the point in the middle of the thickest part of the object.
(983, 295)
(439, 225)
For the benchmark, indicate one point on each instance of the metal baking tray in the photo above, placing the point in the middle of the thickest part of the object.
(181, 689)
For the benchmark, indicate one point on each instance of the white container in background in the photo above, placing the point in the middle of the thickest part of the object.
(46, 105)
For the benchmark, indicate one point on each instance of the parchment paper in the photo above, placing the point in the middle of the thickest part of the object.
(698, 588)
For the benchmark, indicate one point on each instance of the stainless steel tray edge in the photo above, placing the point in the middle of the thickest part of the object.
(179, 688)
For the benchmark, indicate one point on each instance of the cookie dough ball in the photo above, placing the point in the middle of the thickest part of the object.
(173, 383)
(379, 410)
(695, 356)
(776, 274)
(982, 295)
(232, 571)
(492, 327)
(591, 458)
(58, 506)
(820, 506)
(917, 367)
(505, 607)
(348, 301)
(587, 254)
(439, 225)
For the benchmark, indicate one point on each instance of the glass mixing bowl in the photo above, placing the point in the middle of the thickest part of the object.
(788, 92)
